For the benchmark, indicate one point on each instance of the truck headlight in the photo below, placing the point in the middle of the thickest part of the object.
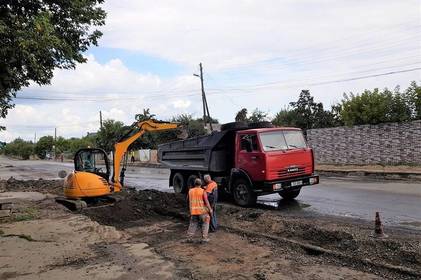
(313, 180)
(276, 187)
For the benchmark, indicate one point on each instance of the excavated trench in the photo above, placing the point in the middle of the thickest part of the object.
(341, 242)
(304, 239)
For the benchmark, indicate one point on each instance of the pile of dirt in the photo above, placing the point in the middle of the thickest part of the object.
(41, 185)
(149, 206)
(342, 237)
(139, 207)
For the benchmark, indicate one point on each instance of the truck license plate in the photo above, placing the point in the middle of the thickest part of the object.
(296, 183)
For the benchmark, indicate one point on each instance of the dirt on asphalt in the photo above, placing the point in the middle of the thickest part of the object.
(40, 185)
(253, 243)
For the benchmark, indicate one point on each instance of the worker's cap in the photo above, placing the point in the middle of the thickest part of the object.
(197, 182)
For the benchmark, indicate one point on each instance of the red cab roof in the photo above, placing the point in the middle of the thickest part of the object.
(258, 130)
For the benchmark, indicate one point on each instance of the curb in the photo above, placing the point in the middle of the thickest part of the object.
(406, 176)
(148, 165)
(379, 175)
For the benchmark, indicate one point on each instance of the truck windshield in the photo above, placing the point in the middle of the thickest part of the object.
(282, 140)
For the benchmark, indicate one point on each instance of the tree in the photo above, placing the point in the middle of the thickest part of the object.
(241, 115)
(256, 116)
(146, 115)
(110, 132)
(43, 146)
(208, 120)
(309, 114)
(194, 127)
(374, 107)
(412, 96)
(38, 36)
(78, 143)
(62, 145)
(19, 148)
(285, 117)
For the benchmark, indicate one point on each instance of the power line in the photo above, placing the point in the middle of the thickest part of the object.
(181, 94)
(215, 91)
(332, 81)
(364, 45)
(290, 62)
(390, 68)
(368, 76)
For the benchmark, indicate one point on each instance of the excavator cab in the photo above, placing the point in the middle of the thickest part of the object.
(93, 160)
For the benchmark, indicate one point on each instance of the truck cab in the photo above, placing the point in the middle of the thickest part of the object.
(246, 160)
(271, 160)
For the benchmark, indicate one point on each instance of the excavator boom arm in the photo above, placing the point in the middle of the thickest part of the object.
(120, 148)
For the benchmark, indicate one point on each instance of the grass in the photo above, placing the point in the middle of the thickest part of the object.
(27, 214)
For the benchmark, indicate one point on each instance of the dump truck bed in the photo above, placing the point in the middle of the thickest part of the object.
(211, 153)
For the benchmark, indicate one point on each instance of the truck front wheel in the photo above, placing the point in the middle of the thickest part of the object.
(178, 183)
(243, 194)
(288, 195)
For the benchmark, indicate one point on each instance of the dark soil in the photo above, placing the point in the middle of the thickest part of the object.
(143, 207)
(151, 207)
(42, 186)
(139, 207)
(356, 241)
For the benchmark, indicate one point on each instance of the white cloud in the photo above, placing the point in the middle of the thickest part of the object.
(111, 87)
(221, 32)
(255, 54)
(181, 104)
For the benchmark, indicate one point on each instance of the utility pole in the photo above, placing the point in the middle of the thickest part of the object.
(204, 101)
(35, 138)
(55, 143)
(100, 119)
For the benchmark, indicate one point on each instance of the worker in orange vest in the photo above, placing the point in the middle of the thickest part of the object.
(200, 211)
(212, 192)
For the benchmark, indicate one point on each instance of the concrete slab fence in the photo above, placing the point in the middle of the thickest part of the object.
(388, 143)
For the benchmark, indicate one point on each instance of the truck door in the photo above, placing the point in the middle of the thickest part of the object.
(249, 156)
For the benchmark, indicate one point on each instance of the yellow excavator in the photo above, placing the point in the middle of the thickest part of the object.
(90, 183)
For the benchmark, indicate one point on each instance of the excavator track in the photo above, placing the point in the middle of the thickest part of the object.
(80, 204)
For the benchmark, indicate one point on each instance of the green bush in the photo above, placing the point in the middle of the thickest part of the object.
(44, 145)
(19, 148)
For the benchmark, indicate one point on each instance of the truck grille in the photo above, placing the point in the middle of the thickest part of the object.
(291, 172)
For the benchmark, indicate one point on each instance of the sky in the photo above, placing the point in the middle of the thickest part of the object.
(255, 54)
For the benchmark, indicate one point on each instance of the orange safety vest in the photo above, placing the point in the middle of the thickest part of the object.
(211, 186)
(197, 203)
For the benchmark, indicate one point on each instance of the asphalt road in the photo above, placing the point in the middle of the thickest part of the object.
(399, 202)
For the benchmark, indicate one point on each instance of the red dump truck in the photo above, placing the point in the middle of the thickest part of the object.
(246, 160)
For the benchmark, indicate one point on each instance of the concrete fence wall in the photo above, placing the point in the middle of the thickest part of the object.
(145, 156)
(390, 143)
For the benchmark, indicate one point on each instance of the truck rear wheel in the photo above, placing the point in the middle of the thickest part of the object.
(178, 183)
(243, 194)
(290, 194)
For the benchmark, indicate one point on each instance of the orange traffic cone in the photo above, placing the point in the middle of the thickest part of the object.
(378, 227)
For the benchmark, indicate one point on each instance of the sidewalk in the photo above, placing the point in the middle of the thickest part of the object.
(391, 172)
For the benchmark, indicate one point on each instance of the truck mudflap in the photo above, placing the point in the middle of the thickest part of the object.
(286, 185)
